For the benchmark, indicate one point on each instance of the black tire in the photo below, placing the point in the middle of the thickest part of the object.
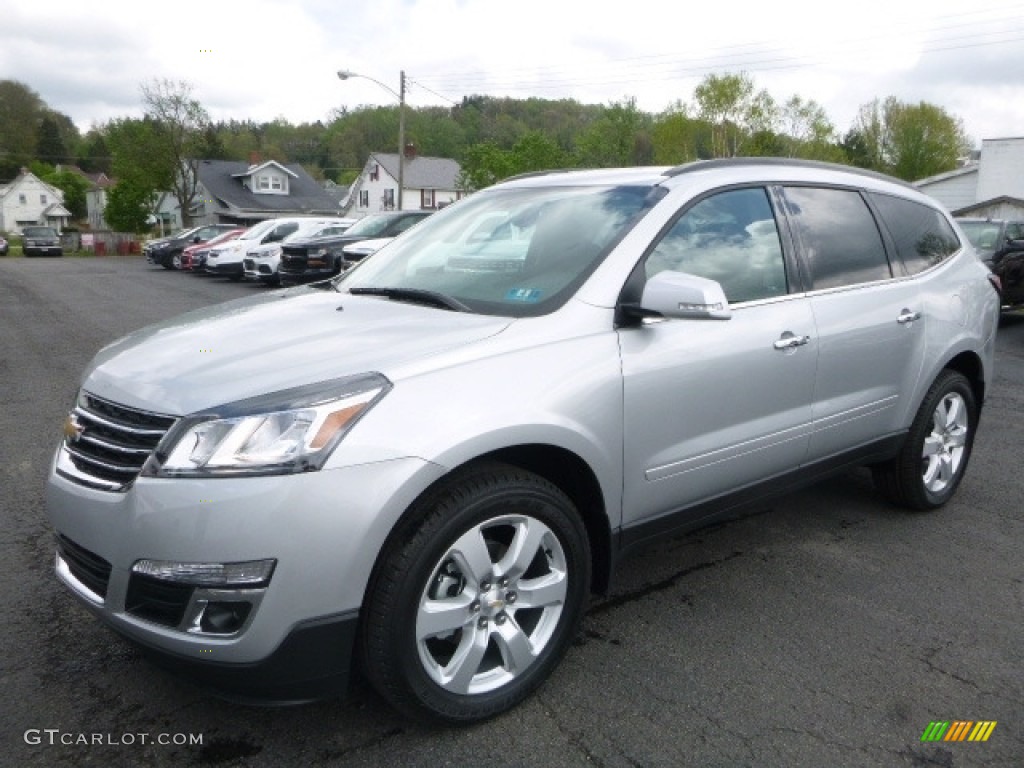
(167, 262)
(930, 465)
(424, 573)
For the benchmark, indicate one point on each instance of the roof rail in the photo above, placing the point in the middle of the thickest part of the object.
(535, 174)
(728, 162)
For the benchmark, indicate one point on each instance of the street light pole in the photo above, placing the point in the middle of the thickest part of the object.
(344, 74)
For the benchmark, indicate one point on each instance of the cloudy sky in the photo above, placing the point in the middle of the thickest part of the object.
(262, 59)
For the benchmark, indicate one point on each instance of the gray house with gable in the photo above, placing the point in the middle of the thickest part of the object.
(235, 192)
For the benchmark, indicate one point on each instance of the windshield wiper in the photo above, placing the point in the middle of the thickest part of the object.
(417, 295)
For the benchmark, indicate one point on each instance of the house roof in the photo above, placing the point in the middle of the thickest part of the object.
(967, 169)
(95, 179)
(56, 210)
(25, 174)
(1001, 200)
(223, 180)
(252, 169)
(421, 172)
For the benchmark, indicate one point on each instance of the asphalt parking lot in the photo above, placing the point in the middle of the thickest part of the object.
(829, 630)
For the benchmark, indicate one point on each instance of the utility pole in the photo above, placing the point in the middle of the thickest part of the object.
(401, 138)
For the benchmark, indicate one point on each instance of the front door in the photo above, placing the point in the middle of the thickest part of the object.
(711, 406)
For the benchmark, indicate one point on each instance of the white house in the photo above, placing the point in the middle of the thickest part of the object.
(27, 201)
(993, 186)
(428, 183)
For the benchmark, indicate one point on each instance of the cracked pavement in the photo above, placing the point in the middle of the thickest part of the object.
(828, 630)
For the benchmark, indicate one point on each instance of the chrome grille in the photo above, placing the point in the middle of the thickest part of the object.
(107, 444)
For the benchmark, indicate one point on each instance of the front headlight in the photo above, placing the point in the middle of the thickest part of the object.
(281, 433)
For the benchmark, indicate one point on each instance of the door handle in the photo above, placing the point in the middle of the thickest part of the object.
(789, 340)
(907, 316)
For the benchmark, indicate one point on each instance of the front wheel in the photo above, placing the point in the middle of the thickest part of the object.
(934, 457)
(477, 596)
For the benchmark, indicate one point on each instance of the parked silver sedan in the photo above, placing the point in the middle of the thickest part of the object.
(436, 457)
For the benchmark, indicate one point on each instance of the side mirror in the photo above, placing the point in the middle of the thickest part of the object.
(681, 295)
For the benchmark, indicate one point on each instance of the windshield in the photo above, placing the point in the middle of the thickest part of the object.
(984, 235)
(507, 251)
(39, 232)
(258, 230)
(370, 225)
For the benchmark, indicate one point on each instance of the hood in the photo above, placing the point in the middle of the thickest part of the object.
(259, 345)
(329, 240)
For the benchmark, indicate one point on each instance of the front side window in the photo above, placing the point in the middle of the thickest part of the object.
(839, 237)
(730, 237)
(922, 235)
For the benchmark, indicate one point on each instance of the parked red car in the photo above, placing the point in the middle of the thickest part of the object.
(189, 255)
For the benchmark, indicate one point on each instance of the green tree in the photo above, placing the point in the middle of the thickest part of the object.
(484, 164)
(180, 123)
(94, 154)
(735, 111)
(50, 146)
(20, 111)
(618, 138)
(910, 141)
(807, 130)
(74, 187)
(129, 206)
(680, 138)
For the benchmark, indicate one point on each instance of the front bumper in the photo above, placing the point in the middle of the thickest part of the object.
(324, 530)
(229, 269)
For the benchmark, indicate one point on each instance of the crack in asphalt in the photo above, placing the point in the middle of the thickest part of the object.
(658, 586)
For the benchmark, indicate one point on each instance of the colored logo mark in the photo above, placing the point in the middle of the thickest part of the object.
(958, 730)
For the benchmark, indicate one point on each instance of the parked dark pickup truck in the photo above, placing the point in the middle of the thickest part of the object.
(305, 261)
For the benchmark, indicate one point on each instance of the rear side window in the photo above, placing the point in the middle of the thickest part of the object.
(730, 237)
(922, 235)
(840, 239)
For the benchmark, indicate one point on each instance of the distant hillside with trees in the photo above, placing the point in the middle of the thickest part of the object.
(492, 138)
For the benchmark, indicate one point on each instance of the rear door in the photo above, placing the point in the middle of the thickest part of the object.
(870, 323)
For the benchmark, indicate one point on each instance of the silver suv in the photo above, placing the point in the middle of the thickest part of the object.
(429, 463)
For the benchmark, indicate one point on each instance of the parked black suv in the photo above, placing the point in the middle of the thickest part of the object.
(1000, 245)
(41, 241)
(304, 261)
(166, 252)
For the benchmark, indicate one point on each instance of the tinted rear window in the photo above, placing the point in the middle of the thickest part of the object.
(840, 239)
(922, 235)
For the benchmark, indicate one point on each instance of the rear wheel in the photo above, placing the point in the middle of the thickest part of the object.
(934, 457)
(477, 597)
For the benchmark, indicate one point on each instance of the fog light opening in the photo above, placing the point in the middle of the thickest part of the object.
(224, 618)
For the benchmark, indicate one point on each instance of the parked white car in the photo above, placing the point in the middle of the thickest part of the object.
(262, 260)
(226, 260)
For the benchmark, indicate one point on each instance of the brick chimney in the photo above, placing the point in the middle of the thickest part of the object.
(255, 158)
(410, 151)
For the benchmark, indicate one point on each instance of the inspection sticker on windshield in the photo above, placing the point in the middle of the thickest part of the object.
(523, 294)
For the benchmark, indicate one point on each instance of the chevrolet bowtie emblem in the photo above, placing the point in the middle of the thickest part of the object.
(72, 429)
